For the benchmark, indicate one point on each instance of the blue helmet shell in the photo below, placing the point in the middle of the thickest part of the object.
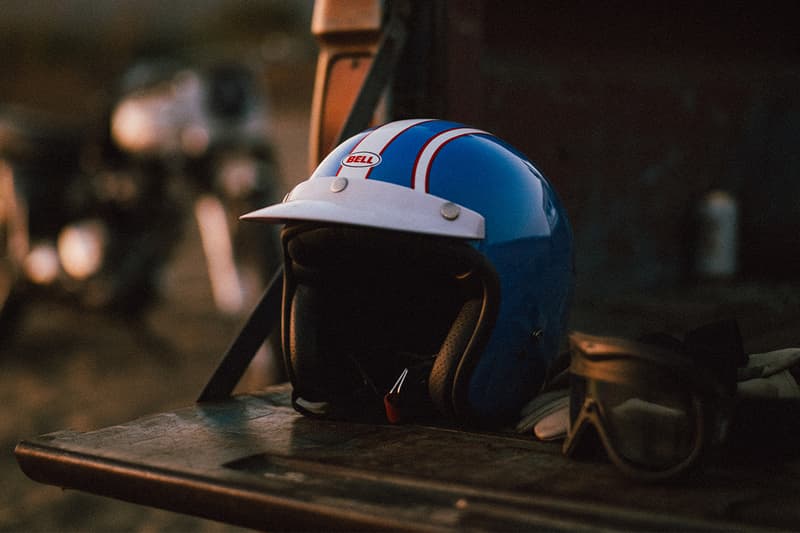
(526, 237)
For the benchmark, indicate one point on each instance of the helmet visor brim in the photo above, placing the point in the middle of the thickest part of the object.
(375, 204)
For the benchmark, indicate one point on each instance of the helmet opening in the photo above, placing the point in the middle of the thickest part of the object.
(363, 304)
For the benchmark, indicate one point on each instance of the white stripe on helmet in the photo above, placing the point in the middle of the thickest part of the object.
(376, 142)
(434, 144)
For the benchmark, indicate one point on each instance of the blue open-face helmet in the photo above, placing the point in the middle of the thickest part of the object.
(428, 250)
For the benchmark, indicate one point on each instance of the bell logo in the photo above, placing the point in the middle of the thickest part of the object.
(361, 159)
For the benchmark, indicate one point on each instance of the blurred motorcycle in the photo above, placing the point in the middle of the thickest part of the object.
(94, 214)
(206, 127)
(71, 233)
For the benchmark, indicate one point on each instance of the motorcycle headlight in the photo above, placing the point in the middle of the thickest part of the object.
(81, 248)
(41, 264)
(134, 127)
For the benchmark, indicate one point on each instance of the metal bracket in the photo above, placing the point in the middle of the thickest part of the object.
(262, 321)
(390, 48)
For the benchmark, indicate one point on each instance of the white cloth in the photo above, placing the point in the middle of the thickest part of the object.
(768, 375)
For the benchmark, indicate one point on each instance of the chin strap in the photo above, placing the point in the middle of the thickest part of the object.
(409, 400)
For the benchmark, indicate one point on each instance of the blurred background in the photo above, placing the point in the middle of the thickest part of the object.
(670, 132)
(139, 328)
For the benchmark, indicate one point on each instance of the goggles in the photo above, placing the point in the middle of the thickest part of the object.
(654, 410)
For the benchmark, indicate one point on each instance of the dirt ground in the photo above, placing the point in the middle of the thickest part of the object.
(63, 368)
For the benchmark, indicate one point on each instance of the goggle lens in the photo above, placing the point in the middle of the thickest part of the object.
(654, 428)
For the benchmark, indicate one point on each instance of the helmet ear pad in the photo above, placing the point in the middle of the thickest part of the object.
(440, 304)
(442, 381)
(461, 350)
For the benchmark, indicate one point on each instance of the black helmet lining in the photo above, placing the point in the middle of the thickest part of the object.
(361, 304)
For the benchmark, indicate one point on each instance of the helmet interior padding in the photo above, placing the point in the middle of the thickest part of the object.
(361, 304)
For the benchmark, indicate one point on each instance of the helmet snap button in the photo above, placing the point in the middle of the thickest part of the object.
(339, 184)
(450, 211)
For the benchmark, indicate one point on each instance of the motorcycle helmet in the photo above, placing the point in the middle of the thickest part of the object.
(427, 262)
